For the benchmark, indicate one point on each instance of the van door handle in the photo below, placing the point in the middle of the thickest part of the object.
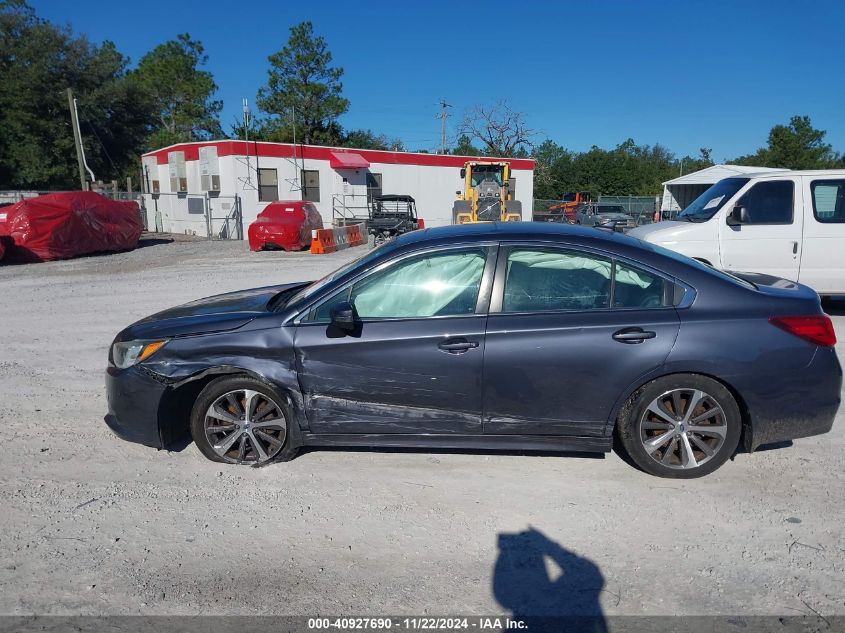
(457, 345)
(794, 248)
(632, 335)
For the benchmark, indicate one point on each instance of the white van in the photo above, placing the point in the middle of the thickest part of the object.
(789, 224)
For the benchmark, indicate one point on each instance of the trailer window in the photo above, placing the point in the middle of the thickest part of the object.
(828, 201)
(268, 185)
(311, 185)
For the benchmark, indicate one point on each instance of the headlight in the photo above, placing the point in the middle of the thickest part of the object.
(128, 353)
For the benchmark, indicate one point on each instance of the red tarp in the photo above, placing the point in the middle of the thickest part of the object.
(63, 225)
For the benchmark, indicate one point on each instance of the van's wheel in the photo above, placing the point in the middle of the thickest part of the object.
(241, 420)
(681, 426)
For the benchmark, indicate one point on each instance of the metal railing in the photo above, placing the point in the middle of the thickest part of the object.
(344, 213)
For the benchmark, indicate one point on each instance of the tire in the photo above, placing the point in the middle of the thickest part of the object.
(689, 450)
(276, 439)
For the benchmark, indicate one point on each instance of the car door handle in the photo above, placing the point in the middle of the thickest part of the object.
(457, 345)
(633, 335)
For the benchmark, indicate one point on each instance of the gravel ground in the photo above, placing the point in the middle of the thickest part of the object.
(94, 525)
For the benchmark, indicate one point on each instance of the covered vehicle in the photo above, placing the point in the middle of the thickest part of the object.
(69, 224)
(392, 215)
(285, 224)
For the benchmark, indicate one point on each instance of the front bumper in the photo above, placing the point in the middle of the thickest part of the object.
(134, 398)
(808, 407)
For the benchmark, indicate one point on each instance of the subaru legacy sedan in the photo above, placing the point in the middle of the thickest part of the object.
(515, 336)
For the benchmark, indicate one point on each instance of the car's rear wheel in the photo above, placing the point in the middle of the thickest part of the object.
(241, 420)
(681, 426)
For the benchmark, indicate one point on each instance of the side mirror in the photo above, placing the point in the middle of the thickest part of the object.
(739, 215)
(463, 173)
(343, 316)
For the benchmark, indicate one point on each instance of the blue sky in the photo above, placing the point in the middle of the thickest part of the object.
(687, 75)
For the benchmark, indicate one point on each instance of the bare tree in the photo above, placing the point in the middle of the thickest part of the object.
(499, 128)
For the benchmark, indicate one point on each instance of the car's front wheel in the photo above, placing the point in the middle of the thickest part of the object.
(681, 426)
(241, 420)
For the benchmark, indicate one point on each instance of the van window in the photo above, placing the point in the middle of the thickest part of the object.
(769, 202)
(828, 200)
(708, 203)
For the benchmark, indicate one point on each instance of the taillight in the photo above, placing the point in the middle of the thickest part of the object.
(817, 328)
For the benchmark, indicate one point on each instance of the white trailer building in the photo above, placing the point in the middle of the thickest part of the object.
(194, 187)
(679, 192)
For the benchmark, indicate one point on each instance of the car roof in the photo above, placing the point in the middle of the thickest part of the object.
(482, 231)
(611, 242)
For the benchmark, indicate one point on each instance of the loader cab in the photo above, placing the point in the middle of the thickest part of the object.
(493, 173)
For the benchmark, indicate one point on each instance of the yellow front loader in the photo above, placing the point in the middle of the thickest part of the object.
(487, 196)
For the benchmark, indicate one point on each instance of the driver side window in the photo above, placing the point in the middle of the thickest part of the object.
(441, 284)
(769, 202)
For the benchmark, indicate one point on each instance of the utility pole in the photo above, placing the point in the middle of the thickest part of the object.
(442, 116)
(77, 138)
(246, 139)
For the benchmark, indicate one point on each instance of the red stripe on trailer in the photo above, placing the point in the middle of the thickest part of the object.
(314, 152)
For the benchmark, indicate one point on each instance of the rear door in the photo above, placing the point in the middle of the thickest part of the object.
(568, 331)
(771, 240)
(823, 259)
(414, 364)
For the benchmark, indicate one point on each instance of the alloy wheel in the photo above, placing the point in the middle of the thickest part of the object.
(683, 428)
(245, 426)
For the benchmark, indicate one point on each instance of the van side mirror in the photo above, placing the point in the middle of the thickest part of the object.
(343, 316)
(739, 215)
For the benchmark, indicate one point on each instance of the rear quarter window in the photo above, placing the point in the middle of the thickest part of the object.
(828, 201)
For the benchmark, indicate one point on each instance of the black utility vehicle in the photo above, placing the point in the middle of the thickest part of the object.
(392, 215)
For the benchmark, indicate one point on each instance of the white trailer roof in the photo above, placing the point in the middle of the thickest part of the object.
(714, 174)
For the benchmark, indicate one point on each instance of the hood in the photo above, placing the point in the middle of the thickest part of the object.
(611, 215)
(219, 313)
(667, 230)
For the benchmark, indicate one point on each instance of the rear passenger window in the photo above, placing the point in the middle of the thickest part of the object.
(769, 202)
(828, 200)
(637, 289)
(539, 280)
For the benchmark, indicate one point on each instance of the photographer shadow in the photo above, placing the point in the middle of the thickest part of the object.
(546, 586)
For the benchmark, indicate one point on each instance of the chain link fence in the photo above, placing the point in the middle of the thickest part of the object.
(641, 208)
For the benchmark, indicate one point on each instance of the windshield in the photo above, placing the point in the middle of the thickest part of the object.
(311, 289)
(610, 209)
(708, 203)
(487, 172)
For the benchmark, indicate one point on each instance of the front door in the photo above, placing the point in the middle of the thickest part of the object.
(770, 242)
(414, 363)
(568, 331)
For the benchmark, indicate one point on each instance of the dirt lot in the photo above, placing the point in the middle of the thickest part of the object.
(93, 525)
